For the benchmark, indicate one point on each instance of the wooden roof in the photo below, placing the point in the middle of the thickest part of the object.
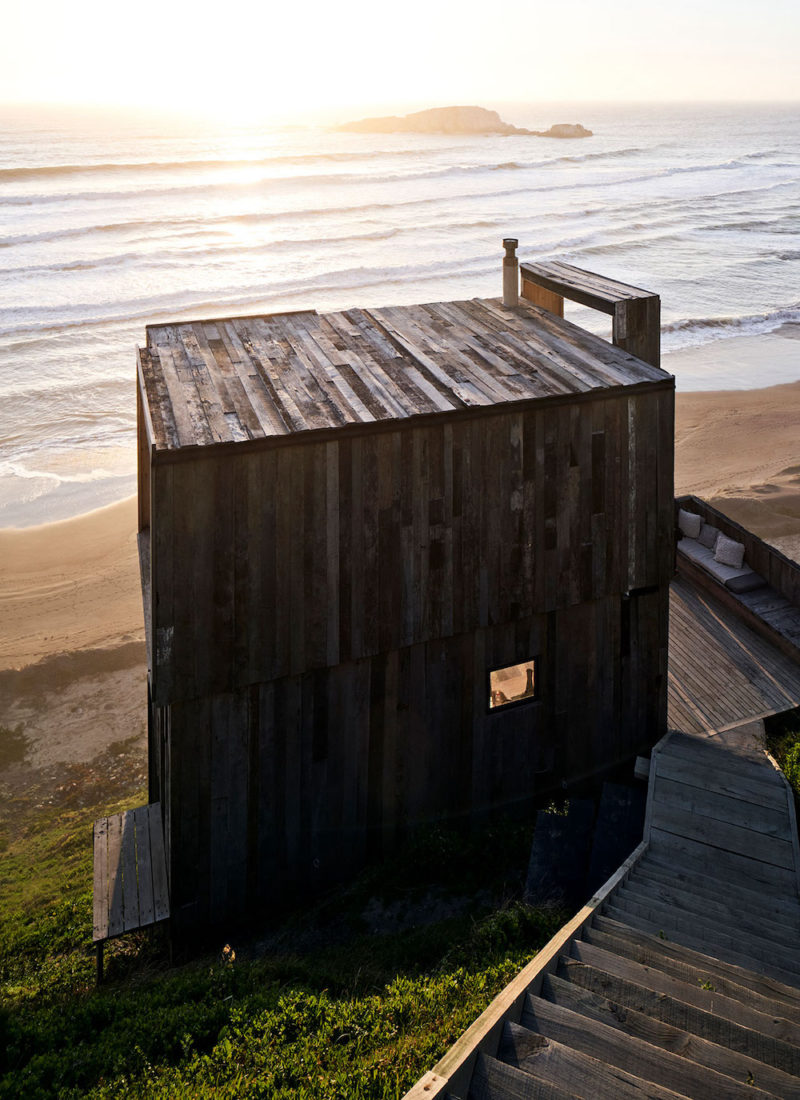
(251, 378)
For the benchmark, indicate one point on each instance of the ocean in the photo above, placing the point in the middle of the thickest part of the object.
(109, 223)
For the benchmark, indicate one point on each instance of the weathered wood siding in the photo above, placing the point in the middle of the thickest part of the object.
(274, 562)
(326, 614)
(291, 784)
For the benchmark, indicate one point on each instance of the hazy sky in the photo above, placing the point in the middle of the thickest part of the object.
(279, 58)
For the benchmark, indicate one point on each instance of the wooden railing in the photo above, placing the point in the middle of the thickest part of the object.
(452, 1074)
(635, 313)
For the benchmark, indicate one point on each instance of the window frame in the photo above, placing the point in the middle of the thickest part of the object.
(513, 704)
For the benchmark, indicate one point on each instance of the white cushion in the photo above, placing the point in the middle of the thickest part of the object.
(689, 523)
(729, 552)
(708, 535)
(704, 556)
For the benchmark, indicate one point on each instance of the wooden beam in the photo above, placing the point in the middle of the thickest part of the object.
(539, 296)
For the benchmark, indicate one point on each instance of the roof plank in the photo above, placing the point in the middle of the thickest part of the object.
(261, 377)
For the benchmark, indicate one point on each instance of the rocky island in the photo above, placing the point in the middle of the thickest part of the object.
(457, 120)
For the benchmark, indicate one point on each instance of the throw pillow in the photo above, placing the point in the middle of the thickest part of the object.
(729, 552)
(708, 535)
(689, 523)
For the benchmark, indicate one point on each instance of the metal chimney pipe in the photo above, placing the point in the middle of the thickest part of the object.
(510, 272)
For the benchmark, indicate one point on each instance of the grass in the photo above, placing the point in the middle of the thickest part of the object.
(783, 742)
(354, 997)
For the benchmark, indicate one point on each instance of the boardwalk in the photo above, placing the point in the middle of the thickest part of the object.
(681, 977)
(721, 673)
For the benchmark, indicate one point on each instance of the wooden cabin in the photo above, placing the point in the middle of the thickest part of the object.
(400, 566)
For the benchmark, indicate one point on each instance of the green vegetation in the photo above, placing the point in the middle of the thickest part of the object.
(13, 744)
(783, 742)
(353, 998)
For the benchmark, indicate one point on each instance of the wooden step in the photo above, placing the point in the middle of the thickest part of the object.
(691, 858)
(720, 899)
(692, 993)
(697, 937)
(728, 866)
(719, 913)
(703, 976)
(780, 910)
(777, 851)
(716, 754)
(494, 1080)
(581, 1075)
(674, 924)
(685, 1017)
(755, 788)
(680, 1043)
(623, 934)
(770, 817)
(627, 1052)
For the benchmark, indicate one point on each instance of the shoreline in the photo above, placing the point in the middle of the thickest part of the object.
(726, 364)
(72, 656)
(74, 584)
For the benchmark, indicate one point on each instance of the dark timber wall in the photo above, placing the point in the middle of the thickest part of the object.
(325, 613)
(309, 555)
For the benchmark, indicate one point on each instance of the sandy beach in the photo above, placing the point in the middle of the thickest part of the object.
(740, 449)
(72, 658)
(72, 661)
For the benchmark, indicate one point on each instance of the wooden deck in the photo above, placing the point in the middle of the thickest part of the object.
(130, 890)
(681, 976)
(722, 673)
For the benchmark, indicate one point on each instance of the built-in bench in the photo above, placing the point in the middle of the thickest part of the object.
(130, 875)
(764, 589)
(635, 313)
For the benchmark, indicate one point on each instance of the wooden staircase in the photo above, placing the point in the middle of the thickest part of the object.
(681, 977)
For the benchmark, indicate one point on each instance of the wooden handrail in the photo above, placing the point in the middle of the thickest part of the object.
(452, 1073)
(635, 313)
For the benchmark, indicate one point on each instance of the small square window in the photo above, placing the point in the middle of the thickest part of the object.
(512, 684)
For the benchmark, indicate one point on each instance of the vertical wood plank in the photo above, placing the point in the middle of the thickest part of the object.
(295, 471)
(100, 884)
(332, 524)
(161, 898)
(130, 884)
(315, 558)
(370, 576)
(391, 751)
(271, 866)
(220, 799)
(357, 552)
(346, 562)
(288, 715)
(162, 611)
(544, 299)
(238, 773)
(116, 896)
(144, 865)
